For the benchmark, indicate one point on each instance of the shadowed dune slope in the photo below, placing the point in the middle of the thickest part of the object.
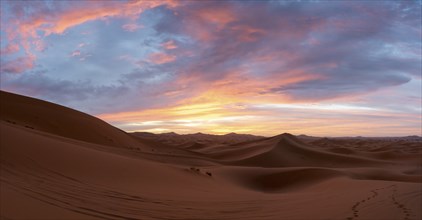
(289, 179)
(278, 180)
(59, 120)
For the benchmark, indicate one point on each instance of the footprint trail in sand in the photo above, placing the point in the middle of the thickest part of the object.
(393, 189)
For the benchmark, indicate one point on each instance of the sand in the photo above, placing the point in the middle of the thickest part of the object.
(58, 163)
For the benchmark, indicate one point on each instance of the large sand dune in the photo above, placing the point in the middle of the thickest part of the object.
(55, 119)
(58, 163)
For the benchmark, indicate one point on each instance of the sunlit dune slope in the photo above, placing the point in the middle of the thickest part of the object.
(59, 120)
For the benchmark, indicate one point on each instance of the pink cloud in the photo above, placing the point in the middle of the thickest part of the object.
(161, 58)
(23, 29)
(18, 65)
(204, 20)
(169, 45)
(96, 10)
(247, 33)
(79, 54)
(75, 53)
(10, 49)
(131, 27)
(219, 16)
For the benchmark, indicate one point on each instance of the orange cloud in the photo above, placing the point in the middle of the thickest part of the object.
(161, 58)
(254, 88)
(219, 16)
(11, 48)
(202, 22)
(169, 45)
(72, 18)
(18, 65)
(220, 115)
(218, 109)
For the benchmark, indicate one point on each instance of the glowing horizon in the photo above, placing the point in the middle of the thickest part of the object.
(311, 67)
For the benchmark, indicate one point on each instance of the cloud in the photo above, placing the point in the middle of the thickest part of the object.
(161, 58)
(131, 27)
(18, 65)
(204, 57)
(75, 94)
(219, 14)
(75, 53)
(268, 119)
(75, 14)
(82, 45)
(10, 49)
(169, 45)
(315, 90)
(342, 43)
(26, 23)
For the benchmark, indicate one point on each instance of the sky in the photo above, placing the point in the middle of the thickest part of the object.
(323, 68)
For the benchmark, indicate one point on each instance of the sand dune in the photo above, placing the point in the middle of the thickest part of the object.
(285, 150)
(58, 163)
(59, 120)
